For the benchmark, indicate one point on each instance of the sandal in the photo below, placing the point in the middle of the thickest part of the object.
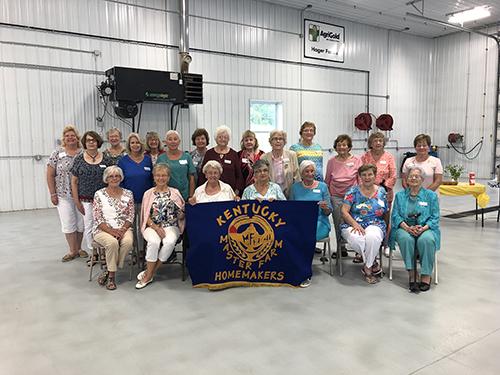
(103, 277)
(376, 272)
(83, 254)
(111, 285)
(357, 259)
(369, 278)
(69, 257)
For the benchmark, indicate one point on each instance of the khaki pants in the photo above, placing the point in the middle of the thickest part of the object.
(116, 251)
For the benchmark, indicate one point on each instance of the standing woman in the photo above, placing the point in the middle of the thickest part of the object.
(201, 140)
(153, 146)
(162, 222)
(307, 150)
(86, 179)
(248, 155)
(283, 166)
(115, 150)
(432, 167)
(182, 170)
(59, 184)
(113, 217)
(341, 174)
(384, 161)
(228, 158)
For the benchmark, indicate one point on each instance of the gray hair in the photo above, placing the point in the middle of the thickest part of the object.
(222, 129)
(274, 133)
(305, 164)
(260, 163)
(114, 130)
(415, 168)
(163, 166)
(110, 170)
(214, 164)
(170, 132)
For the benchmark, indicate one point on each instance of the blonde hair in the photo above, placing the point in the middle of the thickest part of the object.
(249, 134)
(150, 136)
(69, 128)
(134, 135)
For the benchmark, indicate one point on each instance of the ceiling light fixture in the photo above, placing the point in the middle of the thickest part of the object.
(469, 15)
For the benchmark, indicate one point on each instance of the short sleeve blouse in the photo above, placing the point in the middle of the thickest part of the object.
(62, 163)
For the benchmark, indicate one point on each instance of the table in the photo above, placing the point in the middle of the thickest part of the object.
(477, 190)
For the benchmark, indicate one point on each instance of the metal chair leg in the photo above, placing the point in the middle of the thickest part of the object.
(390, 264)
(339, 258)
(436, 274)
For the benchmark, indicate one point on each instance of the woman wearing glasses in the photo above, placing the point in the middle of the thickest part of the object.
(283, 165)
(415, 224)
(263, 188)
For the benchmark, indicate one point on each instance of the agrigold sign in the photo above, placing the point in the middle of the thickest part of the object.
(324, 41)
(251, 243)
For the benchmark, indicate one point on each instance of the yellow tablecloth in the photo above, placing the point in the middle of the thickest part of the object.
(477, 190)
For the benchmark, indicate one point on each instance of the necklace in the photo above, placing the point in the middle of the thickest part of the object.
(92, 157)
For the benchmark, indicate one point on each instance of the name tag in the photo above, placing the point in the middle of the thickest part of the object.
(316, 191)
(62, 154)
(183, 162)
(227, 161)
(147, 168)
(424, 204)
(350, 164)
(383, 162)
(102, 165)
(286, 160)
(381, 203)
(244, 160)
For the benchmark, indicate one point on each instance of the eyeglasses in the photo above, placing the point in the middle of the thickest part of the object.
(90, 140)
(114, 176)
(277, 139)
(265, 170)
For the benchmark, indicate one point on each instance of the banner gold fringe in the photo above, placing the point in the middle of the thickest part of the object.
(232, 284)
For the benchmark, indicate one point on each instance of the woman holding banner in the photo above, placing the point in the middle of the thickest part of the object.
(214, 190)
(263, 188)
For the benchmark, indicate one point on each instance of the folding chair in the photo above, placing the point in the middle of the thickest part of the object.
(324, 257)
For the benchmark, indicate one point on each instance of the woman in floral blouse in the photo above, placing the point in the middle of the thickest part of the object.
(364, 211)
(162, 222)
(59, 184)
(113, 218)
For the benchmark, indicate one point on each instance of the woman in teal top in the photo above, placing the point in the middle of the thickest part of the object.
(311, 190)
(307, 150)
(262, 188)
(415, 222)
(182, 169)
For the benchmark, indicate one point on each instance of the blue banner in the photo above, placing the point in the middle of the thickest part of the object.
(251, 243)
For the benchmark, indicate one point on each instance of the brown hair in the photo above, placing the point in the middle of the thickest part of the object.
(422, 137)
(373, 136)
(307, 124)
(343, 138)
(367, 167)
(249, 134)
(92, 134)
(199, 133)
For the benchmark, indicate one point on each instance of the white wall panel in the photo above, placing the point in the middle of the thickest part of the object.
(424, 78)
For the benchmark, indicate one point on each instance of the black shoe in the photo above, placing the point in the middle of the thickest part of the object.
(317, 250)
(345, 254)
(424, 287)
(413, 287)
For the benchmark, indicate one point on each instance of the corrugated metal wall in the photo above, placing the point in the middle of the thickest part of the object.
(245, 49)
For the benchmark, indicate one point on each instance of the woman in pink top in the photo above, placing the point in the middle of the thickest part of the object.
(341, 174)
(384, 161)
(431, 165)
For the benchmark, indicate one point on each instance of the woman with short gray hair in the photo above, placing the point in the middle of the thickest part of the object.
(213, 190)
(113, 210)
(263, 188)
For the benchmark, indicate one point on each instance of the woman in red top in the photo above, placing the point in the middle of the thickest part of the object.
(248, 155)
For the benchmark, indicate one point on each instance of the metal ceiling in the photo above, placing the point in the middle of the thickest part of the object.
(392, 14)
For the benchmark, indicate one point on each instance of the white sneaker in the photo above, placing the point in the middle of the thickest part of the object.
(305, 283)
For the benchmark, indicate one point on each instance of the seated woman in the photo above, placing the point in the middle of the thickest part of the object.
(214, 190)
(313, 190)
(262, 188)
(415, 222)
(113, 210)
(162, 222)
(364, 211)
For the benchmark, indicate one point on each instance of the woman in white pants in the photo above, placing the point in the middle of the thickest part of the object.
(365, 215)
(162, 222)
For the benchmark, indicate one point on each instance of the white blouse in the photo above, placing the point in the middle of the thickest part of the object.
(226, 193)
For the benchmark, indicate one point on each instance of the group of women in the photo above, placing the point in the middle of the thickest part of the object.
(100, 195)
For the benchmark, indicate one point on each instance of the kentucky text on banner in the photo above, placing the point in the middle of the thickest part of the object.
(251, 243)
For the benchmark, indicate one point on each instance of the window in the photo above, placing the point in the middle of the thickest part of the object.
(265, 116)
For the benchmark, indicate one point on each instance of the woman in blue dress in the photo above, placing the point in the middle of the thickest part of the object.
(310, 189)
(365, 215)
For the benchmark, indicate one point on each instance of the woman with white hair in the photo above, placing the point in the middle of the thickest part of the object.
(113, 210)
(228, 158)
(310, 189)
(213, 190)
(162, 222)
(182, 169)
(283, 165)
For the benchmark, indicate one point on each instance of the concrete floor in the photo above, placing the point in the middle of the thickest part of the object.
(53, 321)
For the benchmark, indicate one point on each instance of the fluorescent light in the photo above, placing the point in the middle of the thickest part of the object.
(474, 14)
